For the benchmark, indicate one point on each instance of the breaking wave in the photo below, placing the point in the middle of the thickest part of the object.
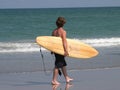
(7, 47)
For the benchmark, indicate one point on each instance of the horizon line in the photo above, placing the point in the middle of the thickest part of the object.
(60, 7)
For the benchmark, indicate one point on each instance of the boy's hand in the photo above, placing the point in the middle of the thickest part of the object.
(66, 54)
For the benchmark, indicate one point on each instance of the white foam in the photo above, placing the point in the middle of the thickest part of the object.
(6, 47)
(18, 47)
(103, 42)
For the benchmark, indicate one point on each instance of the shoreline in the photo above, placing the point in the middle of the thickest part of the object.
(32, 61)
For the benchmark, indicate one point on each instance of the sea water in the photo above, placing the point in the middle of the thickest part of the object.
(99, 27)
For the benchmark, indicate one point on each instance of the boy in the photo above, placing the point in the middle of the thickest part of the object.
(60, 59)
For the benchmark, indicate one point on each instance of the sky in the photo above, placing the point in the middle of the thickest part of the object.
(57, 3)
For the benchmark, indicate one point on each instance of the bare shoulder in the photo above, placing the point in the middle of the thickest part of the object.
(62, 31)
(54, 32)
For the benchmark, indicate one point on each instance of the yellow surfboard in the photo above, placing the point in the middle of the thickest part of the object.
(76, 48)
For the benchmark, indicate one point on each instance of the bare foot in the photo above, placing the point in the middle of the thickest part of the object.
(55, 83)
(68, 79)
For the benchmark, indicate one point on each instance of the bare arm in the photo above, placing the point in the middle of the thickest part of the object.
(63, 36)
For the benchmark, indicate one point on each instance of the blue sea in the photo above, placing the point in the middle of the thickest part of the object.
(99, 27)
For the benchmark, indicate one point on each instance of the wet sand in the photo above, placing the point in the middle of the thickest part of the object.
(94, 79)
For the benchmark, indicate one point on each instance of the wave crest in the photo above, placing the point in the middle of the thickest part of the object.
(103, 42)
(6, 47)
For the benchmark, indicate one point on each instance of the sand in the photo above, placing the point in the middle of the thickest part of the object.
(96, 79)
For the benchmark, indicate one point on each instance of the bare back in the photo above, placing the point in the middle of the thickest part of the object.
(60, 32)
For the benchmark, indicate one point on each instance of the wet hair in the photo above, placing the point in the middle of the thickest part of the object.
(60, 21)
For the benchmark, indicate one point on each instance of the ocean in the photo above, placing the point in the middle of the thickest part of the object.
(99, 27)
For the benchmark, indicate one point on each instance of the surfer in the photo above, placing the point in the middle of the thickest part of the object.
(60, 62)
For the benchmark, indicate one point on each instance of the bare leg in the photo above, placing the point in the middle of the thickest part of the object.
(68, 79)
(55, 75)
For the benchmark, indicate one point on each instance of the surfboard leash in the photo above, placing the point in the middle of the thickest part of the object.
(44, 68)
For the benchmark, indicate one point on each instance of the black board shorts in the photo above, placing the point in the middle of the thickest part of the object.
(59, 61)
